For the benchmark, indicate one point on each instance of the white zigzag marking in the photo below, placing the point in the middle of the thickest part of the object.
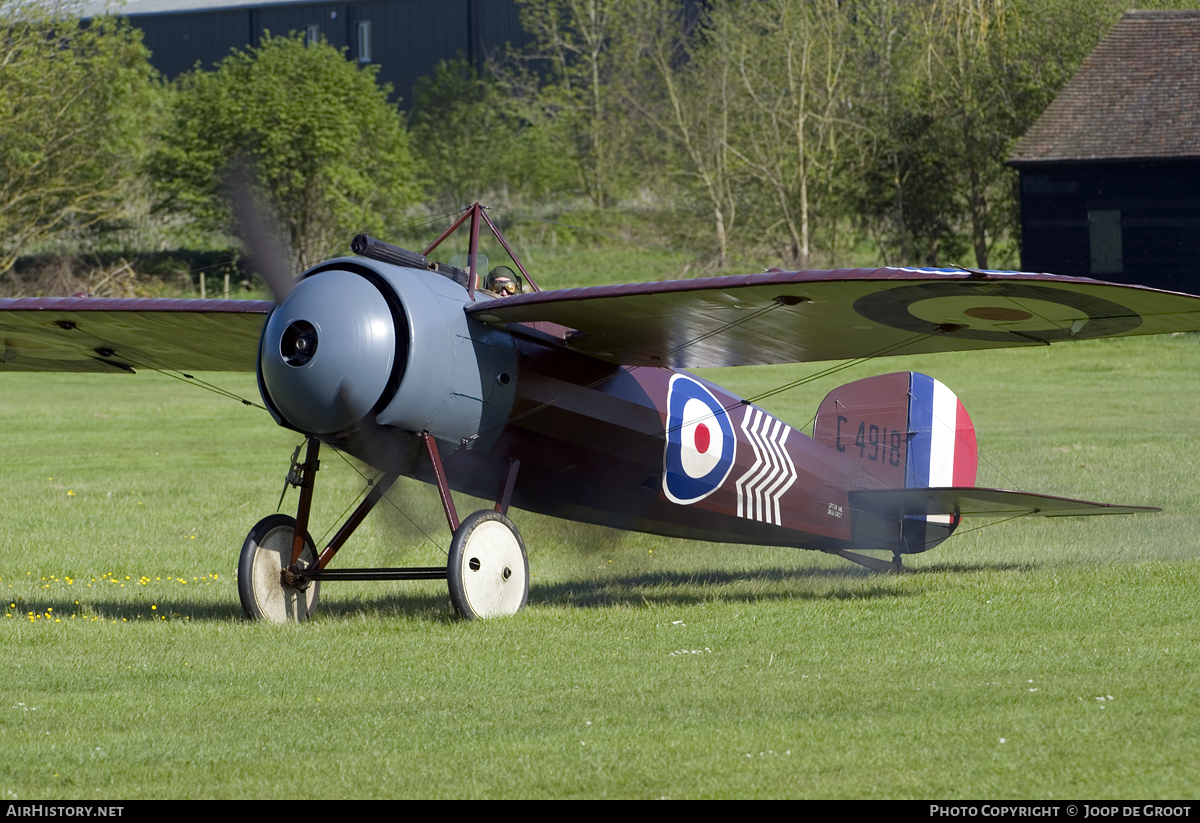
(761, 468)
(787, 475)
(760, 489)
(747, 423)
(765, 510)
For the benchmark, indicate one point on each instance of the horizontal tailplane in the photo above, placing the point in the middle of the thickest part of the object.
(923, 518)
(972, 501)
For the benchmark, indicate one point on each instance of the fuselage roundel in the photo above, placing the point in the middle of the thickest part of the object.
(701, 445)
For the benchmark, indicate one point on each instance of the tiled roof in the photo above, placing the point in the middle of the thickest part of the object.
(1137, 95)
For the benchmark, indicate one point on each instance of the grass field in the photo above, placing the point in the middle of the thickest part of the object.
(1032, 659)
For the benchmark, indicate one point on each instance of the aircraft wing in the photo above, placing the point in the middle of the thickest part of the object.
(793, 317)
(976, 502)
(97, 334)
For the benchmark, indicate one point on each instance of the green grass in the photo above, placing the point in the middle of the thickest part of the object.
(1031, 659)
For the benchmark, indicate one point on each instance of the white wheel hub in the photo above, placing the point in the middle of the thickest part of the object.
(266, 552)
(488, 570)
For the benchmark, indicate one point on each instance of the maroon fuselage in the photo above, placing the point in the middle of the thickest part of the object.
(592, 439)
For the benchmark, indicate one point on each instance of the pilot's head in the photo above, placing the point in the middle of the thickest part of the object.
(503, 281)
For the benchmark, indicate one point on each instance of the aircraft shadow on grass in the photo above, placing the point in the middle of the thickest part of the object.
(649, 589)
(664, 588)
(668, 588)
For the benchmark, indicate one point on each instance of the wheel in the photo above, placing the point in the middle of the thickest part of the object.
(488, 571)
(266, 552)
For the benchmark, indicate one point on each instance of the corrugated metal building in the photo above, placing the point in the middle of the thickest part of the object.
(1110, 173)
(405, 38)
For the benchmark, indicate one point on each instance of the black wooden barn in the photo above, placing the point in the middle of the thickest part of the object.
(405, 38)
(1110, 173)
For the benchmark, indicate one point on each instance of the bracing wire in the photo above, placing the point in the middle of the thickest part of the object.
(371, 481)
(191, 379)
(957, 532)
(795, 383)
(607, 377)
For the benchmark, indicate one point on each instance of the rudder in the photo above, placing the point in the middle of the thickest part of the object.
(907, 430)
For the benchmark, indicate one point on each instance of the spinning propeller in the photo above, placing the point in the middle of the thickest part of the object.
(340, 313)
(266, 252)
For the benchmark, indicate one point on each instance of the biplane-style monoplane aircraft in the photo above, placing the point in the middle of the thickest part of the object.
(571, 402)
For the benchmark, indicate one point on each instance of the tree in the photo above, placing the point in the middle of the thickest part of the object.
(791, 61)
(76, 102)
(948, 87)
(583, 50)
(689, 101)
(472, 140)
(904, 193)
(976, 75)
(968, 73)
(328, 150)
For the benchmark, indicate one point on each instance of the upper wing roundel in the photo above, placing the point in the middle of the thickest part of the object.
(797, 317)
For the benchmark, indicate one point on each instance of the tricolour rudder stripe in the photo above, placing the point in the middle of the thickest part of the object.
(901, 430)
(941, 446)
(920, 424)
(966, 452)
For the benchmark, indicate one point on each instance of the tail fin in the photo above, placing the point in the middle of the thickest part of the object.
(908, 431)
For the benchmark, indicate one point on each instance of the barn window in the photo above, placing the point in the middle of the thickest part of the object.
(314, 34)
(1105, 229)
(364, 41)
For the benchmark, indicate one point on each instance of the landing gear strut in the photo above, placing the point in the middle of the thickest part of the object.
(280, 573)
